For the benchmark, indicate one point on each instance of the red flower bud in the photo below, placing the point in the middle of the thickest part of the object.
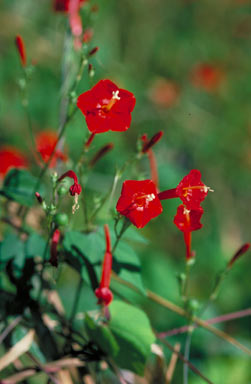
(101, 153)
(39, 197)
(149, 144)
(245, 247)
(103, 293)
(54, 244)
(21, 49)
(93, 51)
(75, 189)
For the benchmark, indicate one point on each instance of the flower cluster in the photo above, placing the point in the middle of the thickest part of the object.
(140, 202)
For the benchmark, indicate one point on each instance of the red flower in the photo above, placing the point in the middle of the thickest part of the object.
(188, 221)
(54, 245)
(21, 49)
(106, 107)
(164, 93)
(75, 189)
(11, 158)
(191, 190)
(207, 77)
(103, 293)
(45, 143)
(139, 202)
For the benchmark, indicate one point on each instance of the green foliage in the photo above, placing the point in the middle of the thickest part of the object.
(19, 185)
(132, 331)
(102, 336)
(85, 252)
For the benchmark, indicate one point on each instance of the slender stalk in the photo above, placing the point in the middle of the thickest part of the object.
(180, 311)
(10, 327)
(190, 365)
(186, 355)
(214, 320)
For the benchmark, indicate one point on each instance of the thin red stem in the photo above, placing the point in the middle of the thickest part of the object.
(214, 320)
(90, 140)
(153, 167)
(168, 194)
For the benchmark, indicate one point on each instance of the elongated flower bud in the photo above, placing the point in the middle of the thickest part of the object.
(54, 244)
(149, 144)
(245, 247)
(101, 153)
(21, 49)
(103, 293)
(39, 198)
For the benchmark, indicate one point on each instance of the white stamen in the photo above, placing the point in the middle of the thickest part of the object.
(150, 197)
(186, 211)
(75, 206)
(140, 208)
(115, 95)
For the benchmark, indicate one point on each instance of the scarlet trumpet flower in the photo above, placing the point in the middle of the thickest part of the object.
(106, 107)
(46, 142)
(139, 202)
(10, 157)
(191, 190)
(21, 49)
(188, 221)
(103, 292)
(75, 188)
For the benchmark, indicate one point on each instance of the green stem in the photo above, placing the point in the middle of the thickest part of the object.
(125, 225)
(76, 300)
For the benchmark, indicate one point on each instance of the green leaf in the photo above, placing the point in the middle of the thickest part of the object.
(19, 185)
(86, 253)
(132, 331)
(102, 336)
(35, 246)
(12, 247)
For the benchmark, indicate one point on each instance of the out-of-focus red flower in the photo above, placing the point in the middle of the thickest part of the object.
(63, 5)
(191, 190)
(207, 77)
(103, 292)
(21, 49)
(87, 36)
(106, 107)
(139, 202)
(188, 221)
(54, 245)
(45, 145)
(164, 93)
(10, 157)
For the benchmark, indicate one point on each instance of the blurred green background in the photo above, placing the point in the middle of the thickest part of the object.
(143, 44)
